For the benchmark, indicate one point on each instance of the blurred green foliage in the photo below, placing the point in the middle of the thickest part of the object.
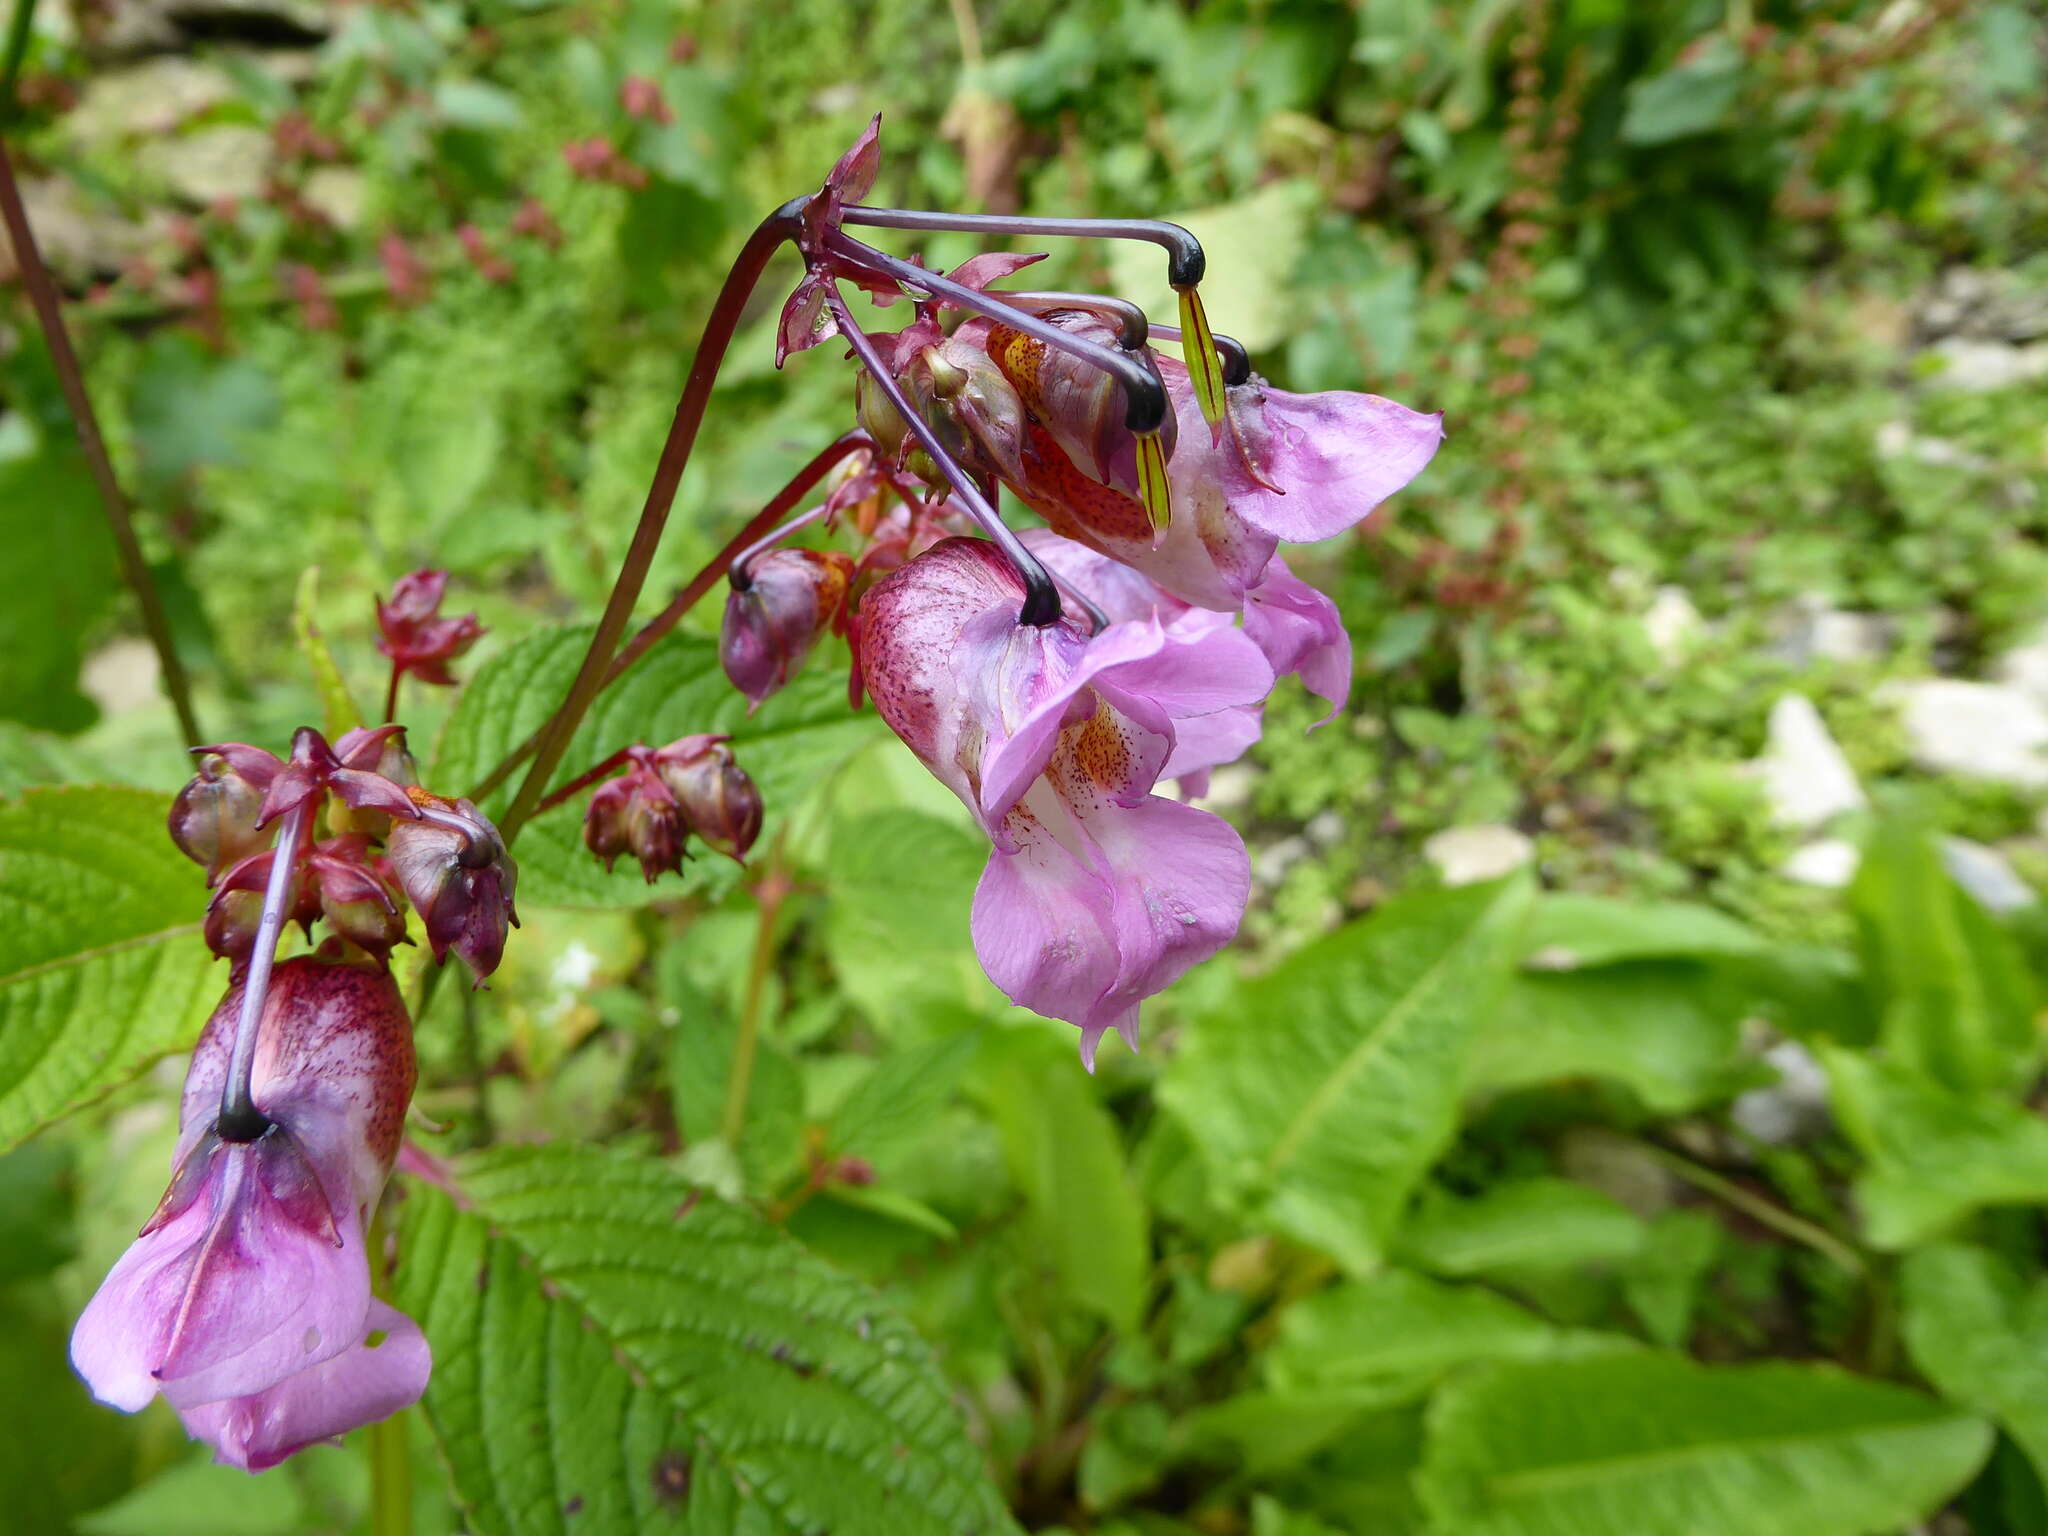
(1658, 1194)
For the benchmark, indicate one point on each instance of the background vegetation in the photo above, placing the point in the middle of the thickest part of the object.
(1619, 1164)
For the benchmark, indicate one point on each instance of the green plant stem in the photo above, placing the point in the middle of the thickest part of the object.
(20, 26)
(769, 895)
(719, 327)
(694, 590)
(390, 1449)
(1762, 1211)
(42, 295)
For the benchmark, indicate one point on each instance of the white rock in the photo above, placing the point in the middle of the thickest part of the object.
(227, 161)
(144, 100)
(1325, 830)
(1793, 1107)
(1468, 855)
(1673, 624)
(1974, 730)
(1985, 874)
(2025, 666)
(1830, 863)
(122, 676)
(1804, 774)
(339, 191)
(1979, 367)
(1230, 788)
(1811, 629)
(1271, 863)
(1897, 440)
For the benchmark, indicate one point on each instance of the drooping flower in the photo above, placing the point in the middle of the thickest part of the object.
(246, 1298)
(717, 795)
(789, 599)
(411, 630)
(693, 785)
(637, 814)
(1097, 892)
(214, 818)
(457, 873)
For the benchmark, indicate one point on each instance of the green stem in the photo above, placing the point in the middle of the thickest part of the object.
(1758, 1209)
(390, 1446)
(719, 327)
(42, 295)
(769, 896)
(19, 29)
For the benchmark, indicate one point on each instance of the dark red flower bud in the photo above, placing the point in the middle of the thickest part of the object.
(455, 870)
(790, 598)
(404, 273)
(234, 913)
(536, 223)
(641, 97)
(213, 820)
(413, 633)
(636, 813)
(357, 895)
(718, 799)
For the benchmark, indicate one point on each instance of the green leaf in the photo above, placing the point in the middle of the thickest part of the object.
(901, 885)
(101, 968)
(338, 709)
(1669, 1030)
(1392, 1337)
(614, 1351)
(1981, 1336)
(1694, 97)
(1957, 1000)
(893, 1106)
(1571, 932)
(56, 538)
(1520, 1225)
(1326, 1088)
(1654, 1445)
(1662, 1283)
(789, 745)
(1253, 246)
(189, 409)
(1931, 1156)
(1087, 1222)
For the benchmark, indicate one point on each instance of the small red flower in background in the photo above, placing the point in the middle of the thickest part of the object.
(413, 633)
(641, 97)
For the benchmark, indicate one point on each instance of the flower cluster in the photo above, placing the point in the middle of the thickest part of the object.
(1056, 679)
(650, 811)
(246, 1300)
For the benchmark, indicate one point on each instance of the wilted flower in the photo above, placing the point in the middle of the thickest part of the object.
(246, 1298)
(214, 818)
(410, 627)
(777, 609)
(717, 796)
(350, 770)
(637, 813)
(1098, 892)
(455, 870)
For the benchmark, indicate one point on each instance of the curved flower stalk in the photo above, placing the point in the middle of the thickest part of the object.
(1097, 892)
(246, 1299)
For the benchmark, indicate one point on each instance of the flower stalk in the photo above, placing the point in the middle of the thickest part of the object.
(42, 296)
(240, 1119)
(719, 327)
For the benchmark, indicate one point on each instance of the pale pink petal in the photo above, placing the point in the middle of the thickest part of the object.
(1335, 455)
(363, 1384)
(227, 1299)
(1043, 928)
(1209, 741)
(1300, 632)
(992, 267)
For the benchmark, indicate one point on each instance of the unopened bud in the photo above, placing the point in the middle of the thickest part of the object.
(455, 870)
(213, 820)
(1082, 408)
(718, 798)
(791, 597)
(637, 814)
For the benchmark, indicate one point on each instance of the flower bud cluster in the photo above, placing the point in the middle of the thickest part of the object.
(691, 787)
(387, 842)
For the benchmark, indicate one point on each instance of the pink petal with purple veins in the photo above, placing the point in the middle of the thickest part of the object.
(1334, 455)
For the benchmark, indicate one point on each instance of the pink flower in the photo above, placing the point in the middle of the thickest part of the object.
(777, 609)
(410, 628)
(246, 1299)
(1097, 892)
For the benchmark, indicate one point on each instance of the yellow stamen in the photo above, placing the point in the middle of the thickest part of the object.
(1198, 350)
(1152, 487)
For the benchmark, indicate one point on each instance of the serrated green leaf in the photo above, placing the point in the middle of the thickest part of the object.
(791, 743)
(1392, 1337)
(1520, 1225)
(1330, 1085)
(1957, 1000)
(894, 1104)
(1088, 1224)
(1655, 1445)
(1931, 1156)
(614, 1351)
(101, 967)
(1980, 1334)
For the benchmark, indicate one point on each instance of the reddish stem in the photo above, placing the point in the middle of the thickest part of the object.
(583, 780)
(719, 326)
